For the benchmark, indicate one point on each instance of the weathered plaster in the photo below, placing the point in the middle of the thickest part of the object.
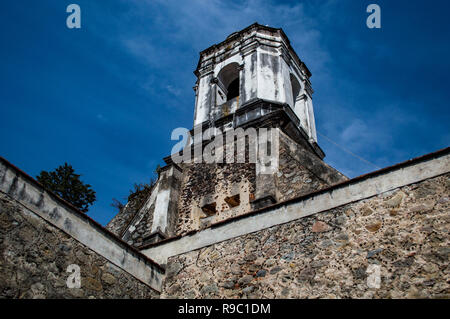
(266, 62)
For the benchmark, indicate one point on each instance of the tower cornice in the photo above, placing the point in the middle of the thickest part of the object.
(239, 36)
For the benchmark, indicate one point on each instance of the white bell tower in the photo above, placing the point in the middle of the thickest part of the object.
(257, 63)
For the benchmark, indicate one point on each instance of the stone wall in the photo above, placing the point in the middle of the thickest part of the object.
(210, 183)
(41, 234)
(121, 221)
(155, 216)
(34, 256)
(331, 254)
(300, 171)
(142, 229)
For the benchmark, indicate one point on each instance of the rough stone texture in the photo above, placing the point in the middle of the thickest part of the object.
(133, 215)
(294, 177)
(34, 256)
(207, 183)
(142, 223)
(120, 222)
(405, 232)
(300, 172)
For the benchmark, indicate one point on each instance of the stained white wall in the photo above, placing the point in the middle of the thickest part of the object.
(264, 74)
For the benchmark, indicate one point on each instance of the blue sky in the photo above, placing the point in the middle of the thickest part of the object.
(105, 98)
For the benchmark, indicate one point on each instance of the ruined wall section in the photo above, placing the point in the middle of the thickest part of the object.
(133, 216)
(206, 184)
(293, 179)
(156, 212)
(300, 171)
(34, 256)
(121, 221)
(140, 227)
(330, 254)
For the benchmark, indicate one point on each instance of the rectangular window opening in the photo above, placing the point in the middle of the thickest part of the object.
(233, 201)
(209, 209)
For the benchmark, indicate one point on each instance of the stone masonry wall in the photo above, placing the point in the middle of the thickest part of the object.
(301, 172)
(205, 183)
(34, 256)
(327, 255)
(293, 179)
(142, 229)
(120, 222)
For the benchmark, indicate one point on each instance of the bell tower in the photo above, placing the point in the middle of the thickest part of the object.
(255, 64)
(252, 81)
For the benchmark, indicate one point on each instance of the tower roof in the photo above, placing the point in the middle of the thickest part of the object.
(238, 34)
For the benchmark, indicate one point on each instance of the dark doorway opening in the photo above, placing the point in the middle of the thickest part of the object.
(233, 89)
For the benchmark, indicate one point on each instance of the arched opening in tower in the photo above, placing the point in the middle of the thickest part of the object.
(295, 89)
(233, 89)
(228, 86)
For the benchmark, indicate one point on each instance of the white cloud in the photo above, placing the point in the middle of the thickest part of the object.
(143, 49)
(173, 90)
